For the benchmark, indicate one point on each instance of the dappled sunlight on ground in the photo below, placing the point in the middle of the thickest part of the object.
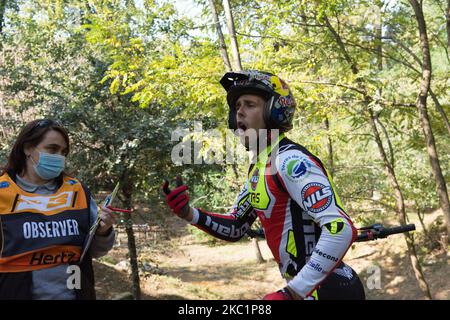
(183, 266)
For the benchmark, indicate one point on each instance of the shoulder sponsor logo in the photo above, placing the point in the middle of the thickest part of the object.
(296, 167)
(4, 185)
(316, 197)
(72, 182)
(45, 203)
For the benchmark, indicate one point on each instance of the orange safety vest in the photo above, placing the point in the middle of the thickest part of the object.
(41, 231)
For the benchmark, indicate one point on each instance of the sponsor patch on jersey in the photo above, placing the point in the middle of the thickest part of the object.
(345, 272)
(45, 203)
(295, 168)
(254, 179)
(244, 206)
(316, 197)
(335, 227)
(72, 182)
(325, 255)
(4, 185)
(316, 266)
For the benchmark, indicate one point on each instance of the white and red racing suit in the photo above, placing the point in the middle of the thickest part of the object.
(304, 222)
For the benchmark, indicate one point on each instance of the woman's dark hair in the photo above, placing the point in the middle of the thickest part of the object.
(30, 136)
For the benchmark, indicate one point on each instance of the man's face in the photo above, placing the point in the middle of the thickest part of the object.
(249, 117)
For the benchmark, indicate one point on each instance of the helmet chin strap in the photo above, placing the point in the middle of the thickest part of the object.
(232, 123)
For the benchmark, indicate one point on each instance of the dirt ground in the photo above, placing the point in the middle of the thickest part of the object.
(176, 264)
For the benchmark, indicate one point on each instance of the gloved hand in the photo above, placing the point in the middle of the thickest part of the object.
(282, 294)
(177, 199)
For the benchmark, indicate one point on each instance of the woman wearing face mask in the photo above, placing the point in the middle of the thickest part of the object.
(45, 217)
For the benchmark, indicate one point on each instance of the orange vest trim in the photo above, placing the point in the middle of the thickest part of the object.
(40, 259)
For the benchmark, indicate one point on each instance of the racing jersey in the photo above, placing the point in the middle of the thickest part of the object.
(305, 225)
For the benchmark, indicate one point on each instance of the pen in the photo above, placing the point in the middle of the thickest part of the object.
(119, 210)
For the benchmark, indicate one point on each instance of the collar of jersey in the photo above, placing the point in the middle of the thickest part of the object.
(263, 155)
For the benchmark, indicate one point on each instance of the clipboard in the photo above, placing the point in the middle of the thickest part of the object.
(87, 244)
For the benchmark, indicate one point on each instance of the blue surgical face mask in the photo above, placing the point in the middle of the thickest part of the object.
(49, 165)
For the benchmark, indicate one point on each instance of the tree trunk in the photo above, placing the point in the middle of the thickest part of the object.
(421, 215)
(259, 256)
(231, 30)
(423, 115)
(127, 190)
(390, 147)
(305, 21)
(440, 110)
(2, 15)
(341, 45)
(448, 24)
(330, 165)
(400, 207)
(389, 164)
(222, 45)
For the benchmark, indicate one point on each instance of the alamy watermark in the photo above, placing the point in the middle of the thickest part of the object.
(215, 147)
(374, 277)
(74, 280)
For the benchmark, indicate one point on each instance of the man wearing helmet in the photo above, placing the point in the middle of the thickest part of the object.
(288, 189)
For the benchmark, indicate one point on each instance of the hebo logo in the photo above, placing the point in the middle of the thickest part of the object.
(295, 168)
(335, 227)
(316, 197)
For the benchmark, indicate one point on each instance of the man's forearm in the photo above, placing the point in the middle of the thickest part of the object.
(223, 226)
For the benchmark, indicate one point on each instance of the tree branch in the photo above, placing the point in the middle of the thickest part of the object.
(335, 84)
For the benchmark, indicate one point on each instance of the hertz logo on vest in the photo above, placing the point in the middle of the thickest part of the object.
(50, 229)
(40, 258)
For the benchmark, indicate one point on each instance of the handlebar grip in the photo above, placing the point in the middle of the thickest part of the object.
(399, 229)
(374, 234)
(366, 236)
